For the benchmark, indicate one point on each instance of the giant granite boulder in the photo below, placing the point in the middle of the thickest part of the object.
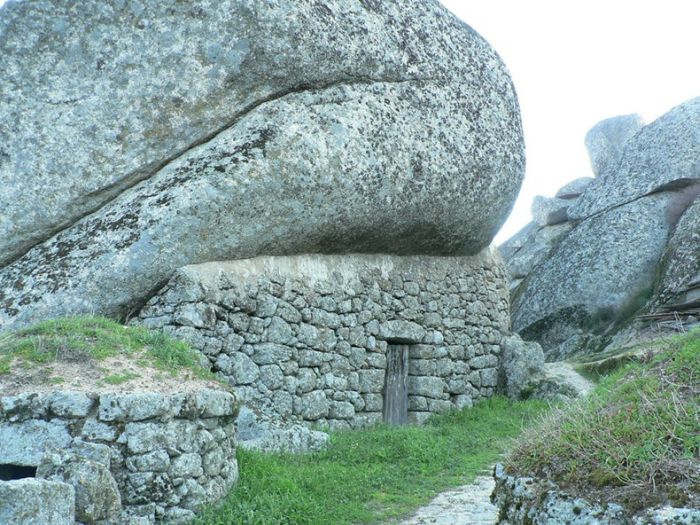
(572, 290)
(136, 138)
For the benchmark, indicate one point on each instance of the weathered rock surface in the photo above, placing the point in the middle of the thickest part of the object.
(522, 366)
(606, 140)
(631, 240)
(679, 282)
(97, 497)
(36, 502)
(254, 433)
(535, 501)
(549, 211)
(601, 269)
(663, 155)
(536, 248)
(574, 189)
(246, 129)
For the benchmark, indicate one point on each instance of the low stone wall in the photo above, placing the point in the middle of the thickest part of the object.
(169, 454)
(305, 338)
(533, 501)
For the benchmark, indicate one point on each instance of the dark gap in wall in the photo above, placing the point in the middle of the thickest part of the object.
(8, 472)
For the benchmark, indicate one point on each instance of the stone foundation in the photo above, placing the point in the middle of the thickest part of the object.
(526, 501)
(305, 338)
(168, 454)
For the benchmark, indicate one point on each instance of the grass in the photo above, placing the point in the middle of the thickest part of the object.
(634, 440)
(372, 475)
(95, 338)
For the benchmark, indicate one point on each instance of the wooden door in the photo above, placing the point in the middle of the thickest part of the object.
(396, 385)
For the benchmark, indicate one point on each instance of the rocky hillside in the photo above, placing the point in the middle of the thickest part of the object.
(609, 248)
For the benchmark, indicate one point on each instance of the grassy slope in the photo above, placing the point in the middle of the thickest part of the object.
(371, 475)
(635, 440)
(94, 338)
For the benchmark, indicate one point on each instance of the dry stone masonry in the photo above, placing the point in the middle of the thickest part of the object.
(142, 458)
(305, 338)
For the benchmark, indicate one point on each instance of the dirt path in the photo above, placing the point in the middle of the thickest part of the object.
(471, 504)
(466, 505)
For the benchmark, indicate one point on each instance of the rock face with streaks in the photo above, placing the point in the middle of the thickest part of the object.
(137, 138)
(629, 242)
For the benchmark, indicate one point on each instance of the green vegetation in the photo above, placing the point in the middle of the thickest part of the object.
(76, 339)
(372, 475)
(635, 439)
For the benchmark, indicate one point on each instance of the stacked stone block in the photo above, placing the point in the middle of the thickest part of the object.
(169, 454)
(304, 338)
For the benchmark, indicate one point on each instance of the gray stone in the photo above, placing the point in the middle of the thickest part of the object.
(70, 404)
(271, 376)
(156, 461)
(402, 331)
(279, 331)
(537, 249)
(522, 366)
(96, 452)
(517, 241)
(179, 138)
(36, 502)
(25, 443)
(574, 189)
(426, 386)
(145, 437)
(239, 367)
(270, 353)
(549, 211)
(370, 380)
(98, 431)
(186, 466)
(213, 403)
(313, 406)
(680, 276)
(606, 141)
(602, 270)
(662, 155)
(134, 407)
(306, 380)
(97, 496)
(254, 433)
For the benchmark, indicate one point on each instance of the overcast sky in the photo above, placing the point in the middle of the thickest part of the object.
(575, 63)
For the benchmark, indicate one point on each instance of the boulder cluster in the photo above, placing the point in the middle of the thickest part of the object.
(608, 248)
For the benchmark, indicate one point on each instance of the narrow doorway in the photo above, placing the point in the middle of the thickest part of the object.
(395, 411)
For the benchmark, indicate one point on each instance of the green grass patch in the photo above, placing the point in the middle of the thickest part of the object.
(372, 475)
(636, 438)
(96, 338)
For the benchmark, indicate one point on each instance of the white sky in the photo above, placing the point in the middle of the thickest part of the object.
(577, 62)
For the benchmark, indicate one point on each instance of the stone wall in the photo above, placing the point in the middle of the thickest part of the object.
(527, 500)
(168, 454)
(304, 338)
